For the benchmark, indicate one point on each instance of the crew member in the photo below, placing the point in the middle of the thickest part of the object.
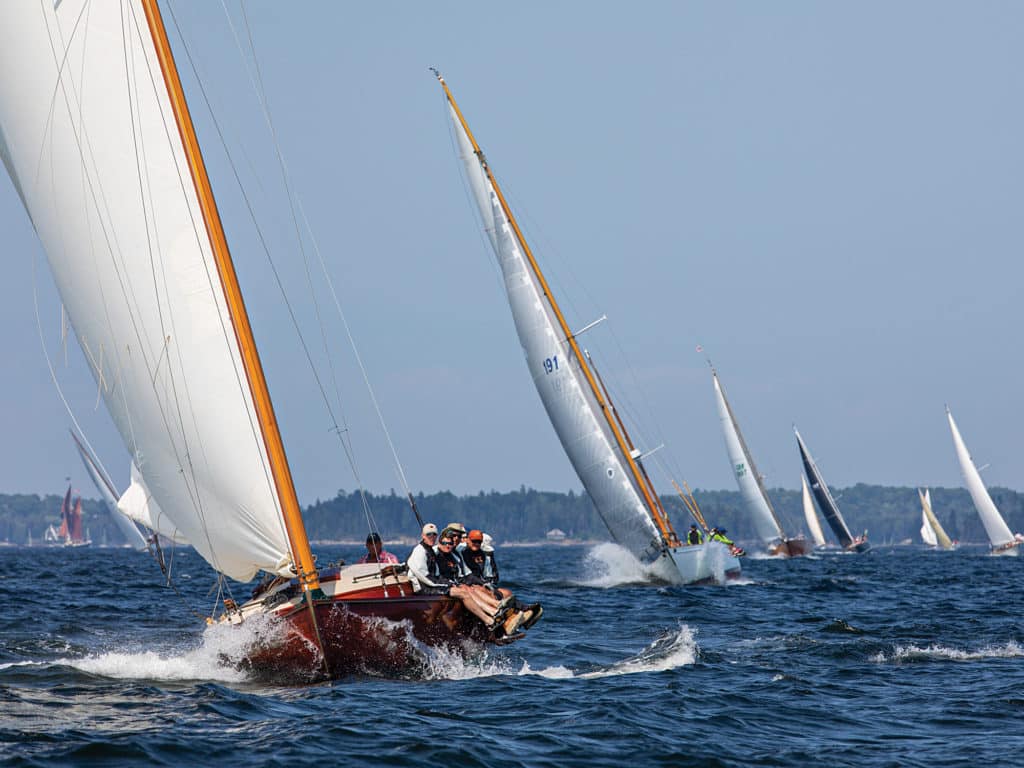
(693, 537)
(375, 552)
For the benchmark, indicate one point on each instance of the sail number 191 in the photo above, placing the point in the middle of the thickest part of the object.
(550, 364)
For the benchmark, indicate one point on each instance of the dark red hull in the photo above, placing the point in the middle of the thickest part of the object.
(371, 635)
(792, 548)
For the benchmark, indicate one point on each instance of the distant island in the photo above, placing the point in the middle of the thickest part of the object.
(889, 514)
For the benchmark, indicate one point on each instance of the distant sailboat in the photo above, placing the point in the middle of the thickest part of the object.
(813, 524)
(940, 538)
(587, 424)
(927, 532)
(106, 488)
(751, 484)
(1002, 540)
(827, 504)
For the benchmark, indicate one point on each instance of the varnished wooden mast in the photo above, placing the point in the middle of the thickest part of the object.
(296, 531)
(652, 504)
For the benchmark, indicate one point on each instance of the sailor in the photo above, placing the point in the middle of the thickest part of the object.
(693, 537)
(457, 532)
(477, 560)
(491, 566)
(422, 563)
(718, 534)
(375, 552)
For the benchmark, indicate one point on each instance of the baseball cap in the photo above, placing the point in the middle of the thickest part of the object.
(428, 528)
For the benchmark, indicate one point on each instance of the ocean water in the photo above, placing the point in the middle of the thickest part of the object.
(899, 657)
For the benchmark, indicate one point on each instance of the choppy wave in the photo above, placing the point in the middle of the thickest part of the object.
(911, 653)
(609, 565)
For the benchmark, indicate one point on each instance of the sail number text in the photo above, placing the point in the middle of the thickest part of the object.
(550, 364)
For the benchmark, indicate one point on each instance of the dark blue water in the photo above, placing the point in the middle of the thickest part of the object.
(898, 657)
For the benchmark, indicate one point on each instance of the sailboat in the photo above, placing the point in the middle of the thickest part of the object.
(755, 496)
(96, 135)
(827, 504)
(586, 422)
(1002, 540)
(935, 535)
(810, 516)
(106, 488)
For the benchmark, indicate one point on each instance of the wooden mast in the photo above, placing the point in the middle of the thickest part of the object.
(652, 506)
(302, 557)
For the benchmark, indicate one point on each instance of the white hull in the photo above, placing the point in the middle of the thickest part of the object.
(711, 562)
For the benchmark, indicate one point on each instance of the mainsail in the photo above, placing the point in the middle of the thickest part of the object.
(576, 406)
(998, 531)
(106, 165)
(826, 503)
(813, 525)
(109, 495)
(755, 497)
(941, 538)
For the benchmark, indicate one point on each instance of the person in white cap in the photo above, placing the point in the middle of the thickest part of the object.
(422, 561)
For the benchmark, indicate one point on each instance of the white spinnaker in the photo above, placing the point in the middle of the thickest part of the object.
(109, 495)
(813, 524)
(138, 504)
(90, 141)
(996, 528)
(566, 395)
(927, 532)
(768, 528)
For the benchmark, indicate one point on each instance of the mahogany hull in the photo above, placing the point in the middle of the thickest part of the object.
(791, 548)
(374, 636)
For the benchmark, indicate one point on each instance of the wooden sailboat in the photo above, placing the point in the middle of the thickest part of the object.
(935, 535)
(813, 524)
(827, 504)
(590, 430)
(1002, 540)
(751, 484)
(97, 138)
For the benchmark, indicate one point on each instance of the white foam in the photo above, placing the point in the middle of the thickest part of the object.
(900, 653)
(609, 565)
(221, 647)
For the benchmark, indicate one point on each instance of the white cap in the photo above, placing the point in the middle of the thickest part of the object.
(428, 528)
(488, 545)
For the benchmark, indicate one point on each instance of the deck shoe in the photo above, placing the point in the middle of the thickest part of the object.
(512, 622)
(535, 611)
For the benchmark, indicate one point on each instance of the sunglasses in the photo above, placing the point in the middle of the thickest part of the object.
(447, 542)
(430, 534)
(476, 541)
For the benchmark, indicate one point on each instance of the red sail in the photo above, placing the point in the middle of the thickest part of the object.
(65, 513)
(76, 522)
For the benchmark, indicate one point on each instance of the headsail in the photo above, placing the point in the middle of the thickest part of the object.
(996, 528)
(813, 525)
(927, 532)
(824, 497)
(575, 405)
(109, 495)
(755, 497)
(941, 537)
(91, 140)
(138, 504)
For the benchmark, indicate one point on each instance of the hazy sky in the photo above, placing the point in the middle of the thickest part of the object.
(826, 196)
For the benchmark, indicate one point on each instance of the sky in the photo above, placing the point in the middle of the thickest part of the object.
(825, 197)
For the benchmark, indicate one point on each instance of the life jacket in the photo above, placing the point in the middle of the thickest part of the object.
(432, 569)
(693, 537)
(448, 566)
(475, 561)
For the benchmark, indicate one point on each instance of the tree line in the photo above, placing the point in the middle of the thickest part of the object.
(888, 514)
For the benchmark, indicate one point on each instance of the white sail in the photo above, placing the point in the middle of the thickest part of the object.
(567, 397)
(138, 504)
(927, 532)
(89, 138)
(751, 488)
(996, 528)
(813, 524)
(109, 495)
(941, 537)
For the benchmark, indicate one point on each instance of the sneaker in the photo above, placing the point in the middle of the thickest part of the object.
(535, 611)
